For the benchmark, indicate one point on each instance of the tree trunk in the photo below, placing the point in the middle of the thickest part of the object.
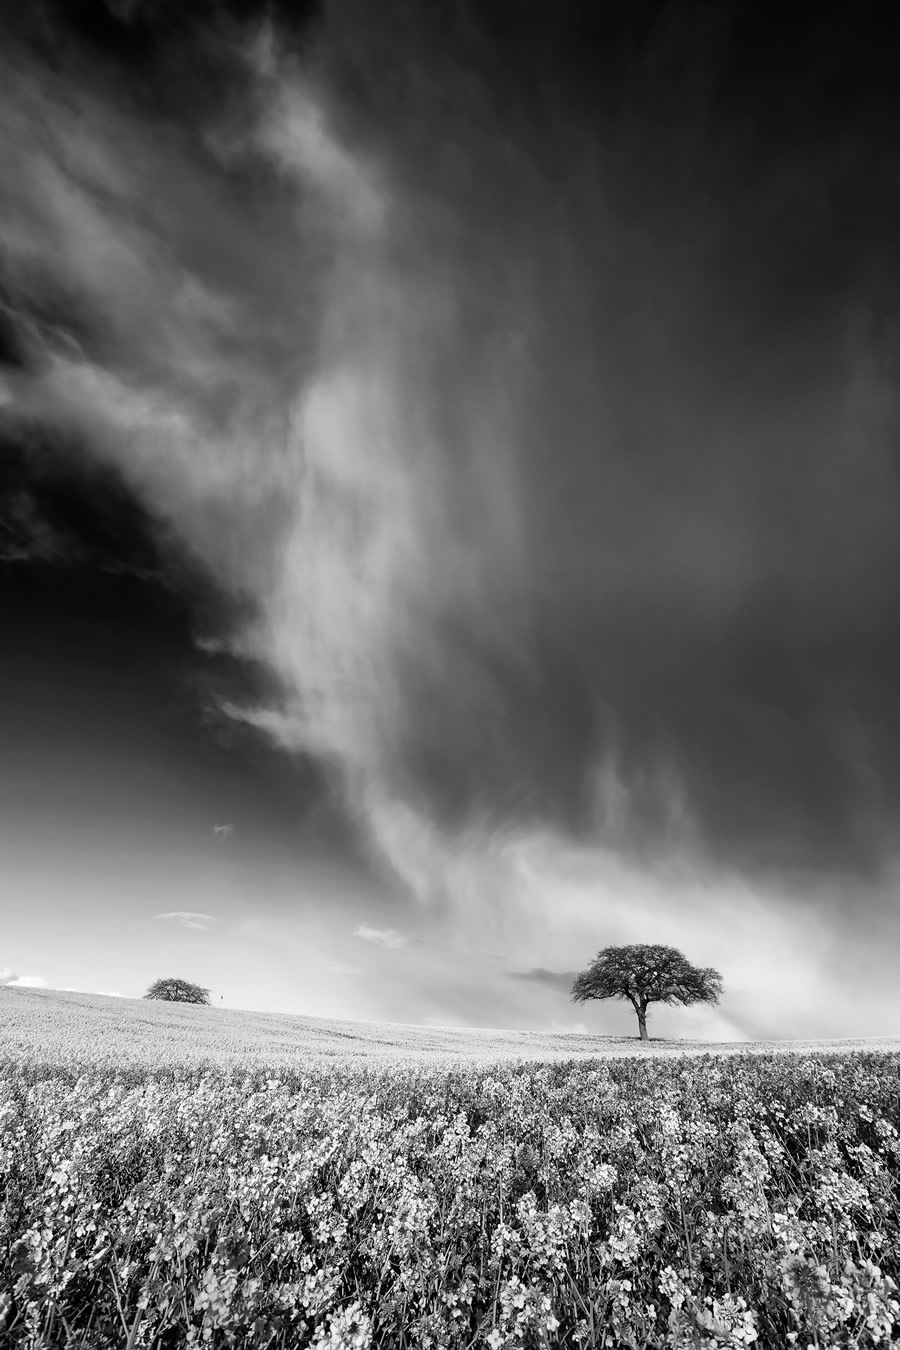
(642, 1022)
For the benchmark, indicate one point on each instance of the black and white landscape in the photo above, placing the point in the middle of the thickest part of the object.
(449, 504)
(450, 530)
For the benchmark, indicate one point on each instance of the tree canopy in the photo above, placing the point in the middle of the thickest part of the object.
(645, 974)
(177, 991)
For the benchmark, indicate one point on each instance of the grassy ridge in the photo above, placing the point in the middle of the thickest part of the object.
(68, 1029)
(643, 1201)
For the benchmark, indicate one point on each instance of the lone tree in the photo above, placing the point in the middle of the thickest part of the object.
(177, 991)
(645, 975)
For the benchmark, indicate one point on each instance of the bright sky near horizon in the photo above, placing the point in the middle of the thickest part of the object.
(116, 875)
(450, 521)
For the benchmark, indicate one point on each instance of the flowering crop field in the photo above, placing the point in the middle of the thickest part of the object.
(703, 1201)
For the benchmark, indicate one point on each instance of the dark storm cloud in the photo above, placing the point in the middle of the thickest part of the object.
(530, 370)
(559, 980)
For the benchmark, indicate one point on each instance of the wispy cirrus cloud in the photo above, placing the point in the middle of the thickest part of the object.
(341, 967)
(382, 937)
(189, 918)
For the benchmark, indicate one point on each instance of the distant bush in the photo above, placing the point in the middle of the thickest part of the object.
(177, 991)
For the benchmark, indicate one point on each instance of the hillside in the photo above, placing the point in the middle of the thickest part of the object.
(73, 1028)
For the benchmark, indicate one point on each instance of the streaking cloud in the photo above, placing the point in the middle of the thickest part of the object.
(382, 937)
(188, 919)
(545, 424)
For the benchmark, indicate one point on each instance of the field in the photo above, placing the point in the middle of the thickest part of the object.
(91, 1029)
(185, 1176)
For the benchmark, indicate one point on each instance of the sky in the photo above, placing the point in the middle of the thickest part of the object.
(450, 506)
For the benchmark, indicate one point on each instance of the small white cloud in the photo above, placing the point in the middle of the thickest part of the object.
(384, 937)
(239, 647)
(341, 968)
(214, 646)
(28, 981)
(188, 918)
(110, 993)
(6, 975)
(223, 831)
(290, 730)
